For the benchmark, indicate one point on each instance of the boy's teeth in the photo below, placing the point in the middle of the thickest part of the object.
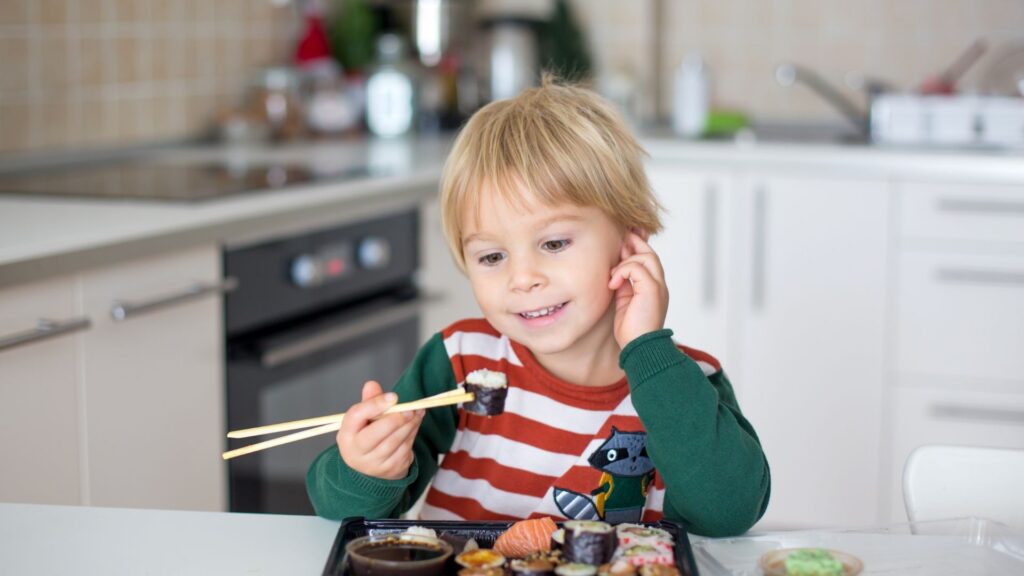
(541, 312)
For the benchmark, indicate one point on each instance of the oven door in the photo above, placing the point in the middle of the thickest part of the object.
(309, 370)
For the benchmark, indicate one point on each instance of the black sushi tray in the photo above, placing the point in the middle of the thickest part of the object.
(485, 533)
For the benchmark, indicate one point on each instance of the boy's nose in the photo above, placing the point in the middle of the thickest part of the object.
(525, 276)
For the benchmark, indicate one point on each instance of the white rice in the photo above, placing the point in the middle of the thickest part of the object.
(487, 379)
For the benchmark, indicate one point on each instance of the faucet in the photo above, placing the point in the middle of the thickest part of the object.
(788, 74)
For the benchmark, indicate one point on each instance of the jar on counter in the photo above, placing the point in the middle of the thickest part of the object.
(391, 90)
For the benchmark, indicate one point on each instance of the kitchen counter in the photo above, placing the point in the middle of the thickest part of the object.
(45, 540)
(47, 236)
(50, 235)
(57, 540)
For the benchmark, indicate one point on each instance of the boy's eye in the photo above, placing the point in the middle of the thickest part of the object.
(555, 245)
(491, 259)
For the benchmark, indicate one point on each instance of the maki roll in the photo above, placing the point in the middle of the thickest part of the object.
(558, 539)
(589, 542)
(630, 534)
(532, 567)
(648, 553)
(489, 390)
(616, 568)
(576, 569)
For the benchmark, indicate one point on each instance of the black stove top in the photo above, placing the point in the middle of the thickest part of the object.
(142, 180)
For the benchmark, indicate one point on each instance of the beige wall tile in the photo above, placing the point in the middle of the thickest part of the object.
(94, 11)
(52, 128)
(14, 78)
(14, 12)
(131, 10)
(53, 11)
(55, 69)
(14, 126)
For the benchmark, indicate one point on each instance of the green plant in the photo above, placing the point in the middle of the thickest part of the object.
(563, 47)
(351, 30)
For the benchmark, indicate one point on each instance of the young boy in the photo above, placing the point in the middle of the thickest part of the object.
(547, 211)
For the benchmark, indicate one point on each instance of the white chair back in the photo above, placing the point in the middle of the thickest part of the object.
(942, 482)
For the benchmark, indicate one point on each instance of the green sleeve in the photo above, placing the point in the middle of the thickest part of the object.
(716, 476)
(337, 491)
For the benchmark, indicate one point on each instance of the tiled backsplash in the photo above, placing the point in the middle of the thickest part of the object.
(902, 41)
(117, 72)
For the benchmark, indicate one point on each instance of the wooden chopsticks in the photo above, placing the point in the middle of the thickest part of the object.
(332, 422)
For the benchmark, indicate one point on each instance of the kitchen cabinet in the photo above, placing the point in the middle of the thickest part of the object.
(958, 372)
(696, 240)
(40, 450)
(153, 379)
(125, 407)
(810, 340)
(782, 276)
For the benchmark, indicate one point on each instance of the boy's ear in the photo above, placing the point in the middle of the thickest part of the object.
(641, 233)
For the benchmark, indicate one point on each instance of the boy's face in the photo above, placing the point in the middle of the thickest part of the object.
(540, 273)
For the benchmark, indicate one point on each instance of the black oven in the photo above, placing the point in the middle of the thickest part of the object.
(313, 317)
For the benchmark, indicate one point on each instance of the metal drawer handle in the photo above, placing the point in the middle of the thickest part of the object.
(45, 330)
(123, 310)
(977, 413)
(975, 276)
(759, 249)
(710, 245)
(994, 207)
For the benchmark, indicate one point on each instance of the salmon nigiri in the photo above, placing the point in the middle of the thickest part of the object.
(526, 537)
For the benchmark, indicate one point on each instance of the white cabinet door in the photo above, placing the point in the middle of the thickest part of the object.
(811, 303)
(154, 390)
(39, 442)
(693, 249)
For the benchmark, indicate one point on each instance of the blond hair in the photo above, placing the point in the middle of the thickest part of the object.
(563, 143)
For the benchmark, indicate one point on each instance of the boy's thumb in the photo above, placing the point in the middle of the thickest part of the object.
(370, 389)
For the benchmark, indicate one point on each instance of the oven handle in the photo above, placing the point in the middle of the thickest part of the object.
(354, 330)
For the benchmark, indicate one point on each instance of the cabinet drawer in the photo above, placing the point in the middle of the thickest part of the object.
(925, 416)
(961, 315)
(932, 210)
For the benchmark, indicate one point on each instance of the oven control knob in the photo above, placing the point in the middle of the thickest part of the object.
(305, 272)
(373, 253)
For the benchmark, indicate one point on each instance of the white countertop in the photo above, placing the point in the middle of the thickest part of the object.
(56, 540)
(48, 236)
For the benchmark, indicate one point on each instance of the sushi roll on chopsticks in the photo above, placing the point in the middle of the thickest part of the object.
(489, 390)
(589, 542)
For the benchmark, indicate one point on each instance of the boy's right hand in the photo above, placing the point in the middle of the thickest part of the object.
(380, 448)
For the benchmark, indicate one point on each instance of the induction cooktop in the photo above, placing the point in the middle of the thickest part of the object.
(148, 180)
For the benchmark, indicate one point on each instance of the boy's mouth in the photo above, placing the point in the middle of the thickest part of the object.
(541, 312)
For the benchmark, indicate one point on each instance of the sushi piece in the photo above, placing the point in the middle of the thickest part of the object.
(659, 570)
(480, 558)
(616, 568)
(589, 542)
(630, 534)
(421, 531)
(576, 569)
(649, 553)
(496, 571)
(489, 390)
(558, 539)
(526, 537)
(532, 567)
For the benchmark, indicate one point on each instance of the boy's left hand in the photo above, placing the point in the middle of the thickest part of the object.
(641, 297)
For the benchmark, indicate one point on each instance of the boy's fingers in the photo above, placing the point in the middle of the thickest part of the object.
(370, 389)
(360, 415)
(384, 446)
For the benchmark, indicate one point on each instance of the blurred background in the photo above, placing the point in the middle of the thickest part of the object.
(106, 73)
